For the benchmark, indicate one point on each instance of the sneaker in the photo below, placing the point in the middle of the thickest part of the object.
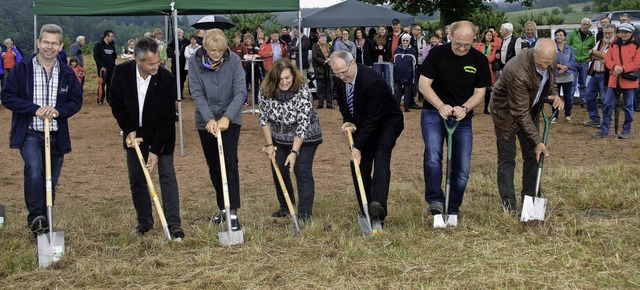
(568, 118)
(140, 230)
(436, 208)
(39, 225)
(376, 210)
(235, 223)
(219, 217)
(554, 120)
(176, 232)
(599, 135)
(591, 123)
(280, 213)
(624, 135)
(509, 205)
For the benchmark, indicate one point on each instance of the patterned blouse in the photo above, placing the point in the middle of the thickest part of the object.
(291, 115)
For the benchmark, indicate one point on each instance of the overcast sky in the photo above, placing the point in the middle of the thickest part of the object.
(317, 3)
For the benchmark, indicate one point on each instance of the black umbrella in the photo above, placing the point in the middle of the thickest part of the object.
(213, 21)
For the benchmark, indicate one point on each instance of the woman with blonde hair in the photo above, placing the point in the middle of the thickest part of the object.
(157, 35)
(292, 133)
(216, 80)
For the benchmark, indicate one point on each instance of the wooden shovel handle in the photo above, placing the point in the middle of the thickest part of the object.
(47, 162)
(285, 192)
(356, 165)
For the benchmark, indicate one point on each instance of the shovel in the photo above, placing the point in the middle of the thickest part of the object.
(152, 190)
(285, 192)
(444, 220)
(50, 245)
(367, 225)
(229, 237)
(534, 207)
(2, 215)
(618, 106)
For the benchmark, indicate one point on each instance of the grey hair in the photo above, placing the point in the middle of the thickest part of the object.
(148, 34)
(530, 23)
(344, 55)
(180, 30)
(8, 40)
(508, 27)
(79, 38)
(609, 25)
(459, 24)
(51, 28)
(585, 20)
(144, 46)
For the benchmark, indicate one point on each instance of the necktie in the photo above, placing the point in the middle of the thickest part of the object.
(350, 98)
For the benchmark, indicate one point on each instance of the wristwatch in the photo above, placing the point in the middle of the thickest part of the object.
(466, 110)
(296, 152)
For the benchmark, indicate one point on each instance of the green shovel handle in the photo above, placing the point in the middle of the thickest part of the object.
(450, 129)
(547, 123)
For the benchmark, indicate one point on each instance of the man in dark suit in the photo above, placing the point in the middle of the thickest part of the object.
(369, 111)
(143, 103)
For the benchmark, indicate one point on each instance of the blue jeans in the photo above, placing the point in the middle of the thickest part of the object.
(609, 105)
(596, 85)
(580, 79)
(434, 134)
(383, 69)
(32, 152)
(568, 97)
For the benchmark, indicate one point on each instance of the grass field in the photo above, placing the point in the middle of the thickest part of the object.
(572, 18)
(590, 239)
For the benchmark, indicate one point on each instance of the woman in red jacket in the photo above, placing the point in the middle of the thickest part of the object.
(622, 59)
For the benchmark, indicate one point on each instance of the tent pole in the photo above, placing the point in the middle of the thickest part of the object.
(177, 52)
(35, 29)
(300, 39)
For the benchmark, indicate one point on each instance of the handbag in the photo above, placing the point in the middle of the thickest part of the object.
(632, 76)
(495, 65)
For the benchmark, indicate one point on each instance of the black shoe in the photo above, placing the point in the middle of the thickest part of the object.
(407, 110)
(219, 217)
(436, 208)
(414, 106)
(140, 230)
(306, 219)
(509, 205)
(176, 232)
(39, 225)
(487, 112)
(280, 213)
(235, 223)
(319, 107)
(330, 107)
(376, 210)
(637, 109)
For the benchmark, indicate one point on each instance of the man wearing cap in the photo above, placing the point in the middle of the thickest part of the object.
(624, 18)
(393, 38)
(453, 81)
(621, 59)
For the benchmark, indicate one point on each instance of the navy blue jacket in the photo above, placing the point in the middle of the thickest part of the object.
(404, 65)
(17, 96)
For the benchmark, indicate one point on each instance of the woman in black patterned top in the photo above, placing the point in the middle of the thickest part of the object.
(291, 130)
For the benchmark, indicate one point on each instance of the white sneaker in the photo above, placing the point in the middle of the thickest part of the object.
(568, 118)
(554, 120)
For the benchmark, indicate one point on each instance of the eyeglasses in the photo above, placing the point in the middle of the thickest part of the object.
(343, 73)
(406, 40)
(47, 43)
(459, 45)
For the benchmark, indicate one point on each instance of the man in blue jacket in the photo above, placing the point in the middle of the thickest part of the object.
(39, 88)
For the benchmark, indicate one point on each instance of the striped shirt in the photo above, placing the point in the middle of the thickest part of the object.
(598, 65)
(45, 92)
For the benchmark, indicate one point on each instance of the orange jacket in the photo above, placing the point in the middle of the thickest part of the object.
(266, 48)
(630, 62)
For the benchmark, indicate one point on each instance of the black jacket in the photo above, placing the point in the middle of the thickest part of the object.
(105, 54)
(182, 44)
(367, 53)
(374, 107)
(158, 116)
(294, 51)
(511, 49)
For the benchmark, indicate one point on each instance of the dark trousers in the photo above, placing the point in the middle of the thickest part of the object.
(209, 143)
(140, 191)
(325, 93)
(376, 156)
(106, 85)
(32, 152)
(487, 99)
(568, 97)
(407, 90)
(303, 171)
(507, 163)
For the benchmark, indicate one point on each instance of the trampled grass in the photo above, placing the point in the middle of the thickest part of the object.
(590, 239)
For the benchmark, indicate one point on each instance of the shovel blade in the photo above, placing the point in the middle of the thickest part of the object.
(533, 208)
(438, 221)
(365, 226)
(452, 220)
(50, 252)
(2, 213)
(230, 238)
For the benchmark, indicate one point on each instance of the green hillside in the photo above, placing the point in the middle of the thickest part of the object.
(571, 18)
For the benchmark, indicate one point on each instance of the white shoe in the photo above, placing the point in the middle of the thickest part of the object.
(121, 133)
(568, 118)
(438, 222)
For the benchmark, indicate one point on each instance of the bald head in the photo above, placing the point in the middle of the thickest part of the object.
(544, 53)
(462, 33)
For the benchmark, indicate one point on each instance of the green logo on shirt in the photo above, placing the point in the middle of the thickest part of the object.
(470, 69)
